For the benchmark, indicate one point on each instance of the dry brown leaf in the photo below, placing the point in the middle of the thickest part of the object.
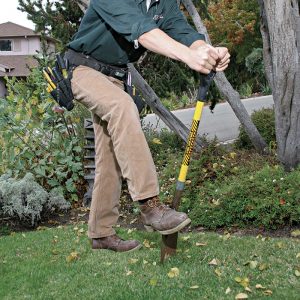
(228, 290)
(214, 262)
(194, 287)
(201, 244)
(268, 292)
(241, 296)
(259, 286)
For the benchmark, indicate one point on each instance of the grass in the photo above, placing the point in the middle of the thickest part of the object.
(57, 263)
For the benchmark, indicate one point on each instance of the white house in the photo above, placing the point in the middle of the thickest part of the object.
(18, 44)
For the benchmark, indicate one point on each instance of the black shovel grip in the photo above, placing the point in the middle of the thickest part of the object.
(206, 80)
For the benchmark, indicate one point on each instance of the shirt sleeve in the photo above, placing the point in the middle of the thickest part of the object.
(178, 28)
(124, 17)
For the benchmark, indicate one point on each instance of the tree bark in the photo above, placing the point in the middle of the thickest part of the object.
(226, 89)
(281, 33)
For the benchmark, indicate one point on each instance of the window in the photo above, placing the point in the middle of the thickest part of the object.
(5, 45)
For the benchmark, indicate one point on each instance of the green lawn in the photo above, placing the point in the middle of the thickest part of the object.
(57, 263)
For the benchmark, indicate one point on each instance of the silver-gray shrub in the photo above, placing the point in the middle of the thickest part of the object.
(27, 200)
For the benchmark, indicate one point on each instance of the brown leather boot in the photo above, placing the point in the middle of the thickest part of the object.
(115, 243)
(159, 217)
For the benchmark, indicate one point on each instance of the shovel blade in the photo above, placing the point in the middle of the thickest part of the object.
(168, 246)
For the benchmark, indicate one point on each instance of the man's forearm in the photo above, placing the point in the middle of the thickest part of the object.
(159, 42)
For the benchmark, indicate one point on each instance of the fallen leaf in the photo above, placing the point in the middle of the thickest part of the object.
(253, 264)
(215, 165)
(73, 256)
(263, 267)
(145, 262)
(75, 228)
(241, 296)
(24, 235)
(226, 237)
(146, 243)
(153, 281)
(133, 260)
(203, 244)
(280, 245)
(228, 290)
(194, 287)
(186, 238)
(259, 286)
(214, 262)
(108, 263)
(156, 141)
(129, 273)
(242, 281)
(282, 201)
(232, 155)
(268, 292)
(174, 272)
(248, 289)
(218, 272)
(55, 252)
(297, 273)
(295, 233)
(41, 228)
(298, 255)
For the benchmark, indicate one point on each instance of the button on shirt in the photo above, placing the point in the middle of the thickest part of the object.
(110, 29)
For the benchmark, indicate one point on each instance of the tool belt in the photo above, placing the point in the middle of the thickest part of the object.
(59, 77)
(77, 59)
(119, 72)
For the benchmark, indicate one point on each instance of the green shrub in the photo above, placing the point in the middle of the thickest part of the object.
(35, 139)
(269, 198)
(264, 120)
(27, 200)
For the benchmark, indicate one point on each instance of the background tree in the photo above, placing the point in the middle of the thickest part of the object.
(59, 19)
(280, 28)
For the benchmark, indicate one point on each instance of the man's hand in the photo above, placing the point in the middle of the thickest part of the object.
(224, 59)
(203, 59)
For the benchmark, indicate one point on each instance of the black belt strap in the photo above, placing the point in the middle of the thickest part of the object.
(77, 59)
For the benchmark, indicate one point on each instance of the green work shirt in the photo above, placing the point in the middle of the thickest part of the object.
(110, 29)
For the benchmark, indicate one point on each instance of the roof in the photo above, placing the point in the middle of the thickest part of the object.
(10, 29)
(16, 65)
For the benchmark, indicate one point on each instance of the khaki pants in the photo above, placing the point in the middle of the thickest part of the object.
(120, 146)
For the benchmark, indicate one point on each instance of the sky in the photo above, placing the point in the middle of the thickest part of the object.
(9, 12)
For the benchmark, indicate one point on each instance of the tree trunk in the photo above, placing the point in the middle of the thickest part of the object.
(226, 89)
(280, 29)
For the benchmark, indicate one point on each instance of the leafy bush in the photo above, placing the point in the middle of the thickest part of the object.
(36, 139)
(269, 198)
(226, 188)
(264, 120)
(27, 200)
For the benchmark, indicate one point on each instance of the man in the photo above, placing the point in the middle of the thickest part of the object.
(113, 33)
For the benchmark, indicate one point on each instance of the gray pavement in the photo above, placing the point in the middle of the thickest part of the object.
(222, 123)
